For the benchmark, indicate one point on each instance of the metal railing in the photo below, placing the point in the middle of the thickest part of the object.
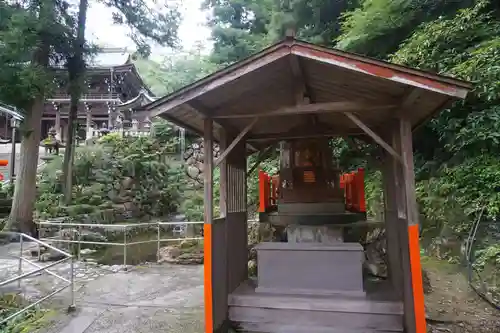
(125, 228)
(86, 97)
(69, 282)
(124, 132)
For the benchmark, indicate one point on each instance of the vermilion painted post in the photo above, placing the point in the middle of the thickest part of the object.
(348, 191)
(262, 191)
(355, 198)
(361, 190)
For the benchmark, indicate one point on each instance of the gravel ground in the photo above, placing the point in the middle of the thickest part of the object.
(452, 306)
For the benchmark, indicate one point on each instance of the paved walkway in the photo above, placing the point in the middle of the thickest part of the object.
(150, 298)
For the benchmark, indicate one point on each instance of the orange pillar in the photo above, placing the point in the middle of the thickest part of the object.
(263, 191)
(360, 187)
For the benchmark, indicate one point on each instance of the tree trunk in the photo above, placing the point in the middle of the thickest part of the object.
(23, 203)
(76, 70)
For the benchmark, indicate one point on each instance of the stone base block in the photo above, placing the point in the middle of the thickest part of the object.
(310, 268)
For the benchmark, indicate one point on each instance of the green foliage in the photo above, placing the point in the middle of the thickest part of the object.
(467, 46)
(116, 171)
(374, 195)
(489, 255)
(377, 27)
(20, 79)
(27, 322)
(175, 71)
(239, 28)
(454, 198)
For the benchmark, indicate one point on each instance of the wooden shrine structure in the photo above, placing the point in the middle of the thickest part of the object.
(295, 90)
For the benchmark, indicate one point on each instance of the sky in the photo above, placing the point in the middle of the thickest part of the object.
(101, 29)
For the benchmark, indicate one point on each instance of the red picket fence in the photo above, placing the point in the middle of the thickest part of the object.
(353, 184)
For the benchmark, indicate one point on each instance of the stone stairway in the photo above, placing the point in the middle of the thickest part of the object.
(253, 312)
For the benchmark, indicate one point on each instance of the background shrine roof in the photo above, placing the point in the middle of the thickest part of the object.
(109, 57)
(11, 111)
(144, 97)
(335, 82)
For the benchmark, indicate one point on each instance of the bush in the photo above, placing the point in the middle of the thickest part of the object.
(127, 172)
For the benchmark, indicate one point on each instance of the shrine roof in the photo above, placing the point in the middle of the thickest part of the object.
(109, 57)
(144, 97)
(11, 111)
(292, 82)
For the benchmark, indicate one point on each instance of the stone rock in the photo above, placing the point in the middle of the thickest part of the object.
(185, 244)
(252, 267)
(51, 256)
(87, 251)
(116, 268)
(174, 255)
(90, 236)
(190, 259)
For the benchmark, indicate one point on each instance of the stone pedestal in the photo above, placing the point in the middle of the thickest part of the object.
(314, 234)
(310, 268)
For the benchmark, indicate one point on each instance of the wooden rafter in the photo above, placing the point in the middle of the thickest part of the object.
(373, 135)
(235, 142)
(408, 100)
(200, 108)
(304, 131)
(263, 155)
(300, 90)
(311, 109)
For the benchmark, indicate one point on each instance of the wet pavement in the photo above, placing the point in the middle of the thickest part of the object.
(153, 299)
(150, 298)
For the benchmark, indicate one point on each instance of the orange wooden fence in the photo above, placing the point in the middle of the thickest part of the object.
(353, 184)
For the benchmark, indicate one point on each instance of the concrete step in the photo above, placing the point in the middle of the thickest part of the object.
(277, 328)
(245, 296)
(256, 312)
(322, 319)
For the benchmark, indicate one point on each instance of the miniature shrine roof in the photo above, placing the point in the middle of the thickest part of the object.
(292, 83)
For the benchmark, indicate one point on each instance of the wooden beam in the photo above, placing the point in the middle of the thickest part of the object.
(412, 96)
(208, 168)
(208, 220)
(263, 155)
(310, 109)
(305, 135)
(223, 177)
(200, 108)
(235, 141)
(383, 70)
(408, 100)
(300, 89)
(373, 135)
(407, 223)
